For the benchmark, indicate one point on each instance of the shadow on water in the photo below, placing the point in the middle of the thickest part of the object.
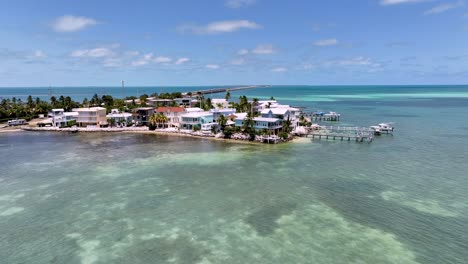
(159, 250)
(435, 239)
(264, 219)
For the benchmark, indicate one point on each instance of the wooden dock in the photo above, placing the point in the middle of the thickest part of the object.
(322, 117)
(358, 134)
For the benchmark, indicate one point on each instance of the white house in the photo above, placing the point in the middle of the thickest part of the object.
(60, 118)
(173, 114)
(219, 103)
(120, 119)
(91, 116)
(192, 120)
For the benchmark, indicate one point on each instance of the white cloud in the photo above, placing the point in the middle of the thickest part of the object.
(39, 54)
(144, 60)
(444, 7)
(279, 69)
(93, 53)
(396, 2)
(243, 52)
(264, 49)
(239, 3)
(220, 27)
(132, 53)
(308, 66)
(239, 61)
(72, 23)
(326, 42)
(182, 61)
(358, 61)
(162, 59)
(212, 66)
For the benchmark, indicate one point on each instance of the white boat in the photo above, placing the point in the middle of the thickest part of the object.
(17, 122)
(382, 128)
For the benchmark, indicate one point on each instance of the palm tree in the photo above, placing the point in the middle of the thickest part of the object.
(160, 118)
(222, 121)
(153, 121)
(111, 122)
(228, 95)
(287, 125)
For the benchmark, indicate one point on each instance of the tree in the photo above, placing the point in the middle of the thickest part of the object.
(152, 122)
(30, 102)
(111, 122)
(287, 125)
(222, 121)
(228, 95)
(53, 101)
(85, 102)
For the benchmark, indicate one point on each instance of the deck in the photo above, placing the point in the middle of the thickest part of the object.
(358, 134)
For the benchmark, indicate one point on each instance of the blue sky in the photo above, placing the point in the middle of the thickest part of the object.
(224, 42)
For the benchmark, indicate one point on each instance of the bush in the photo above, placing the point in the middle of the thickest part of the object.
(283, 135)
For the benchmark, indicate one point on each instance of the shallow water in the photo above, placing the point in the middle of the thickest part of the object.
(123, 198)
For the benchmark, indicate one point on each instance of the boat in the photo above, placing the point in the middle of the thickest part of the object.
(17, 122)
(385, 128)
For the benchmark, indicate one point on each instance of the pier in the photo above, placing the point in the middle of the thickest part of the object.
(320, 116)
(226, 89)
(358, 134)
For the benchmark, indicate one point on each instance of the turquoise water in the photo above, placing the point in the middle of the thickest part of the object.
(124, 198)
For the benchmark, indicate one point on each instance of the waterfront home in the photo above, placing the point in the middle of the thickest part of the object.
(153, 101)
(225, 112)
(263, 104)
(220, 103)
(195, 120)
(173, 115)
(91, 116)
(280, 113)
(272, 125)
(142, 115)
(193, 109)
(120, 119)
(186, 101)
(60, 118)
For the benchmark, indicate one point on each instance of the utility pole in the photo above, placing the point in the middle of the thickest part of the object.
(123, 89)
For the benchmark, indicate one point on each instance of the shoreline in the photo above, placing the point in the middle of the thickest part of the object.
(143, 130)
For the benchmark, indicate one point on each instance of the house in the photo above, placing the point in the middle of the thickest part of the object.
(194, 120)
(273, 125)
(220, 103)
(159, 102)
(276, 112)
(225, 112)
(120, 119)
(263, 104)
(142, 115)
(173, 114)
(193, 109)
(91, 116)
(270, 124)
(186, 101)
(59, 118)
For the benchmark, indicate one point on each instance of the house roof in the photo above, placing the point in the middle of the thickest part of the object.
(84, 109)
(197, 114)
(193, 109)
(175, 109)
(240, 116)
(265, 119)
(275, 111)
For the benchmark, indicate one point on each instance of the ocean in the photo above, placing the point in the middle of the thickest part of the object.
(134, 198)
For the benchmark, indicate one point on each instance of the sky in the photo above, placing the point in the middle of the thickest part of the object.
(232, 42)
